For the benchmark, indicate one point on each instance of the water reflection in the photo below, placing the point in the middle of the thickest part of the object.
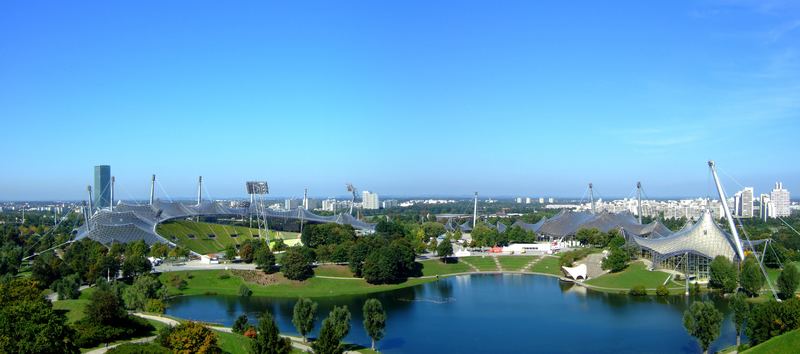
(492, 313)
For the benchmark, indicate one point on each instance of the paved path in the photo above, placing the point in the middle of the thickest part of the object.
(54, 296)
(105, 349)
(531, 264)
(497, 263)
(474, 268)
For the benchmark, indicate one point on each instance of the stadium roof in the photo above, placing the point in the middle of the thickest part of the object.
(567, 223)
(704, 237)
(138, 222)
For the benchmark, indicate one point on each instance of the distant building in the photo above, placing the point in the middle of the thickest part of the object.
(102, 186)
(743, 203)
(528, 200)
(519, 200)
(551, 200)
(370, 201)
(767, 210)
(290, 204)
(329, 204)
(389, 203)
(541, 200)
(780, 200)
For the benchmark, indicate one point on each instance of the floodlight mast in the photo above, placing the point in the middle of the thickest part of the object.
(199, 189)
(639, 199)
(89, 190)
(352, 190)
(591, 196)
(152, 189)
(257, 190)
(111, 200)
(727, 211)
(475, 211)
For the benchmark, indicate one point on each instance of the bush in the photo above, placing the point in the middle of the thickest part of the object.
(192, 337)
(250, 332)
(616, 261)
(224, 276)
(638, 290)
(662, 290)
(67, 287)
(244, 291)
(240, 325)
(91, 334)
(569, 257)
(155, 306)
(178, 282)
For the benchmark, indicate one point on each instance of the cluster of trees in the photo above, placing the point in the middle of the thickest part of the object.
(725, 276)
(619, 256)
(106, 319)
(485, 236)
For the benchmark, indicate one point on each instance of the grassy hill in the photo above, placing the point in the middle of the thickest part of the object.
(204, 238)
(785, 343)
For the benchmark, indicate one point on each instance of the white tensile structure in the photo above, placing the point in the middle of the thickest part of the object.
(578, 272)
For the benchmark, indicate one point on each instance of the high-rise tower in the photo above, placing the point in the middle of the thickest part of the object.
(102, 186)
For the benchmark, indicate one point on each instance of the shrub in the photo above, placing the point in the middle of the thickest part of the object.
(250, 332)
(192, 337)
(155, 306)
(178, 282)
(569, 257)
(224, 276)
(662, 290)
(139, 348)
(638, 290)
(244, 291)
(240, 325)
(90, 334)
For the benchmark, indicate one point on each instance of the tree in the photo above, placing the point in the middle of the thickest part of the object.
(334, 329)
(788, 281)
(722, 274)
(616, 261)
(296, 265)
(392, 263)
(741, 311)
(265, 259)
(10, 259)
(772, 318)
(159, 250)
(444, 249)
(145, 287)
(28, 323)
(67, 287)
(703, 321)
(432, 229)
(246, 252)
(751, 278)
(192, 337)
(240, 325)
(230, 253)
(268, 340)
(47, 268)
(316, 235)
(135, 260)
(105, 308)
(374, 320)
(305, 312)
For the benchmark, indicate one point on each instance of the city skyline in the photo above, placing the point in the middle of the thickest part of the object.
(508, 100)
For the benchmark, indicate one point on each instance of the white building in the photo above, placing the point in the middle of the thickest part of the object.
(780, 200)
(767, 209)
(290, 204)
(551, 200)
(743, 203)
(519, 200)
(390, 203)
(527, 200)
(329, 204)
(541, 200)
(370, 201)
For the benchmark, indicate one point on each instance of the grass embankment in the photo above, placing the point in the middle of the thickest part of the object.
(204, 238)
(483, 263)
(332, 270)
(636, 274)
(785, 343)
(547, 265)
(433, 267)
(515, 263)
(233, 343)
(224, 282)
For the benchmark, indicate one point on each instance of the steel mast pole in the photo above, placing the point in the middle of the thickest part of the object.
(639, 197)
(152, 189)
(475, 211)
(111, 201)
(727, 211)
(591, 196)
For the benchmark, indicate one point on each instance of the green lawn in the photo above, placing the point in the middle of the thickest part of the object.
(332, 270)
(485, 264)
(233, 343)
(209, 282)
(547, 265)
(74, 308)
(179, 231)
(436, 267)
(635, 274)
(515, 263)
(784, 343)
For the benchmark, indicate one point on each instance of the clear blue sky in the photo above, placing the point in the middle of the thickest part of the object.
(403, 98)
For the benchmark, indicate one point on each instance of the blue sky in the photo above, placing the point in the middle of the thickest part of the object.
(403, 98)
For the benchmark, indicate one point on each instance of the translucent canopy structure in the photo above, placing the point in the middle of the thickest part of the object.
(704, 238)
(567, 223)
(575, 273)
(530, 227)
(129, 223)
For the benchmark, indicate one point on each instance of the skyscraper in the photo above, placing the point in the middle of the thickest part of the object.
(102, 186)
(767, 209)
(370, 200)
(743, 203)
(780, 200)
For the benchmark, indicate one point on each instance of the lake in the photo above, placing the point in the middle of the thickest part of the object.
(497, 313)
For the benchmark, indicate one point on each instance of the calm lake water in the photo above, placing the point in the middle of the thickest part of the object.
(491, 314)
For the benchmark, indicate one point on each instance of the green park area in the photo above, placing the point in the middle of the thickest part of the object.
(223, 282)
(483, 263)
(547, 265)
(433, 267)
(333, 270)
(635, 274)
(515, 263)
(785, 343)
(205, 238)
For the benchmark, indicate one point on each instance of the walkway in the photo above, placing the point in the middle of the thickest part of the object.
(105, 349)
(530, 264)
(497, 262)
(474, 268)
